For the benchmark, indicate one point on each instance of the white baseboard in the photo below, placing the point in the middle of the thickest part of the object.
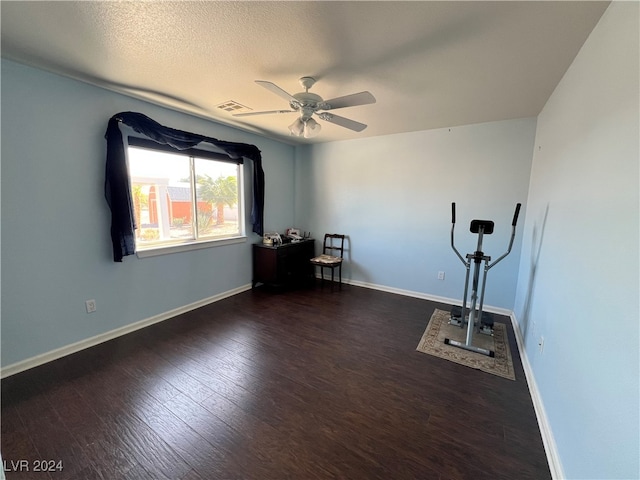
(550, 447)
(106, 336)
(425, 296)
(399, 291)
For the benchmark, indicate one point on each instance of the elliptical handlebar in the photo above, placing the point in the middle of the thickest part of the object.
(513, 236)
(453, 224)
(514, 222)
(515, 215)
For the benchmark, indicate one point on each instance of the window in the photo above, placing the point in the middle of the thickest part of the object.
(180, 198)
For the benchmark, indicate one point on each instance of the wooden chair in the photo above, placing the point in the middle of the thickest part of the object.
(331, 257)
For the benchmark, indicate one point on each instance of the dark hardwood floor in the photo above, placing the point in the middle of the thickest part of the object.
(307, 384)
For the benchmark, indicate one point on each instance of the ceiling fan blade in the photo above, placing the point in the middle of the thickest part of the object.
(272, 87)
(362, 98)
(343, 122)
(248, 114)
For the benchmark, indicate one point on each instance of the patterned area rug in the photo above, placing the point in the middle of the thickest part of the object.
(432, 343)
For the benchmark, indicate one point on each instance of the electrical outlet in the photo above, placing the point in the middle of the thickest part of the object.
(440, 275)
(91, 306)
(541, 344)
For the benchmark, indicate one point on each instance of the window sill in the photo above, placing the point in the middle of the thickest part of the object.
(185, 247)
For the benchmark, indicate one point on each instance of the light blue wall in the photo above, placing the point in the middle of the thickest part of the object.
(56, 249)
(578, 283)
(392, 196)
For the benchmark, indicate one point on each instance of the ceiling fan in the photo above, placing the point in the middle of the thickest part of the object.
(307, 104)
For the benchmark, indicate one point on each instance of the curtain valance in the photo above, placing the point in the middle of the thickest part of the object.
(118, 192)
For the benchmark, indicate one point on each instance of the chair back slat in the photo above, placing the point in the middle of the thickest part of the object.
(330, 247)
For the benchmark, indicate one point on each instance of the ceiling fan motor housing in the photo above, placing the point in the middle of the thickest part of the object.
(307, 103)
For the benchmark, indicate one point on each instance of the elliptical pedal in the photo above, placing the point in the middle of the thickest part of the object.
(455, 317)
(486, 325)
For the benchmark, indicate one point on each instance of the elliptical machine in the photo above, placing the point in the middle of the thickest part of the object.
(459, 314)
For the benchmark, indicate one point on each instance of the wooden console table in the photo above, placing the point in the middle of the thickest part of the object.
(282, 265)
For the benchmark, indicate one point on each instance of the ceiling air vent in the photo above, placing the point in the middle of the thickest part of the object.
(233, 107)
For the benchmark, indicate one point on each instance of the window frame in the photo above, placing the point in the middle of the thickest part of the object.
(192, 154)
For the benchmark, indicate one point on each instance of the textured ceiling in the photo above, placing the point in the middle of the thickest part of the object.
(429, 64)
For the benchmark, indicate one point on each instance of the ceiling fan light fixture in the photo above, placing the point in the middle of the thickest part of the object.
(297, 127)
(311, 128)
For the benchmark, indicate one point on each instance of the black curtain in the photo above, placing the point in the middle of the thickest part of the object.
(116, 187)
